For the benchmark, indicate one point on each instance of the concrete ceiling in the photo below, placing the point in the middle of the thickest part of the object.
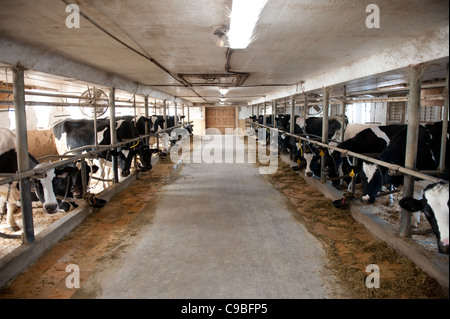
(318, 43)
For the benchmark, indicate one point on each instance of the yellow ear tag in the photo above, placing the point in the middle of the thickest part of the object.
(321, 153)
(298, 161)
(352, 174)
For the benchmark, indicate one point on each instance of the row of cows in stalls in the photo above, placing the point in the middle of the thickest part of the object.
(384, 142)
(62, 186)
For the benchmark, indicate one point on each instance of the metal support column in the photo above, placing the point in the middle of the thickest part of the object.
(412, 143)
(182, 112)
(175, 118)
(444, 127)
(146, 126)
(188, 111)
(23, 162)
(165, 114)
(264, 113)
(343, 108)
(95, 117)
(326, 103)
(112, 125)
(292, 120)
(274, 111)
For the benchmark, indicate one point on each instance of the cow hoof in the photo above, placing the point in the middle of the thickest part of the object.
(13, 228)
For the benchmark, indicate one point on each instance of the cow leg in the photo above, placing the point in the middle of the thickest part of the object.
(10, 208)
(415, 219)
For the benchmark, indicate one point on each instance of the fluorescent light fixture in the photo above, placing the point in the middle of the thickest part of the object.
(223, 91)
(243, 18)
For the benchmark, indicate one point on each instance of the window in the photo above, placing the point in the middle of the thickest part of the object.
(396, 112)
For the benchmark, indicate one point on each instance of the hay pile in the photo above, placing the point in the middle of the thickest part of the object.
(349, 246)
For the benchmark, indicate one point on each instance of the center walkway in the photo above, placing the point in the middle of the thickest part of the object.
(218, 231)
(212, 231)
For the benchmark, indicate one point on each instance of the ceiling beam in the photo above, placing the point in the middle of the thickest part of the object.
(13, 52)
(426, 48)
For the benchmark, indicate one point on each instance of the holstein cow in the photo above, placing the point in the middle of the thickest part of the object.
(435, 205)
(374, 176)
(311, 156)
(10, 192)
(67, 184)
(71, 134)
(371, 140)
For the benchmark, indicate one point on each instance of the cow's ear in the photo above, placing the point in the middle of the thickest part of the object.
(63, 172)
(94, 168)
(411, 204)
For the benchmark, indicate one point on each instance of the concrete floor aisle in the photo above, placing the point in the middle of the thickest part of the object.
(212, 231)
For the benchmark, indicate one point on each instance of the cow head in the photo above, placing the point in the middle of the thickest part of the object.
(156, 123)
(145, 158)
(436, 211)
(44, 191)
(373, 178)
(125, 159)
(313, 160)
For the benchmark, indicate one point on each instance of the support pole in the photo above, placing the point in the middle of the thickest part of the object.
(182, 112)
(188, 111)
(274, 111)
(175, 118)
(112, 125)
(292, 126)
(23, 162)
(264, 113)
(165, 114)
(444, 127)
(326, 103)
(343, 107)
(146, 126)
(412, 137)
(95, 117)
(304, 115)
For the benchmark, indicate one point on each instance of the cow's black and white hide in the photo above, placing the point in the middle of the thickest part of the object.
(371, 140)
(68, 185)
(10, 192)
(374, 176)
(435, 205)
(70, 134)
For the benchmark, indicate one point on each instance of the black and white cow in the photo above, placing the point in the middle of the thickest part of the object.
(70, 134)
(435, 205)
(310, 156)
(10, 192)
(67, 184)
(371, 140)
(374, 177)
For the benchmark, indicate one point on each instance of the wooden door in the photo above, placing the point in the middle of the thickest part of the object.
(220, 118)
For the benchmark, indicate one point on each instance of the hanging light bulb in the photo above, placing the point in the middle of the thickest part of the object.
(223, 91)
(219, 41)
